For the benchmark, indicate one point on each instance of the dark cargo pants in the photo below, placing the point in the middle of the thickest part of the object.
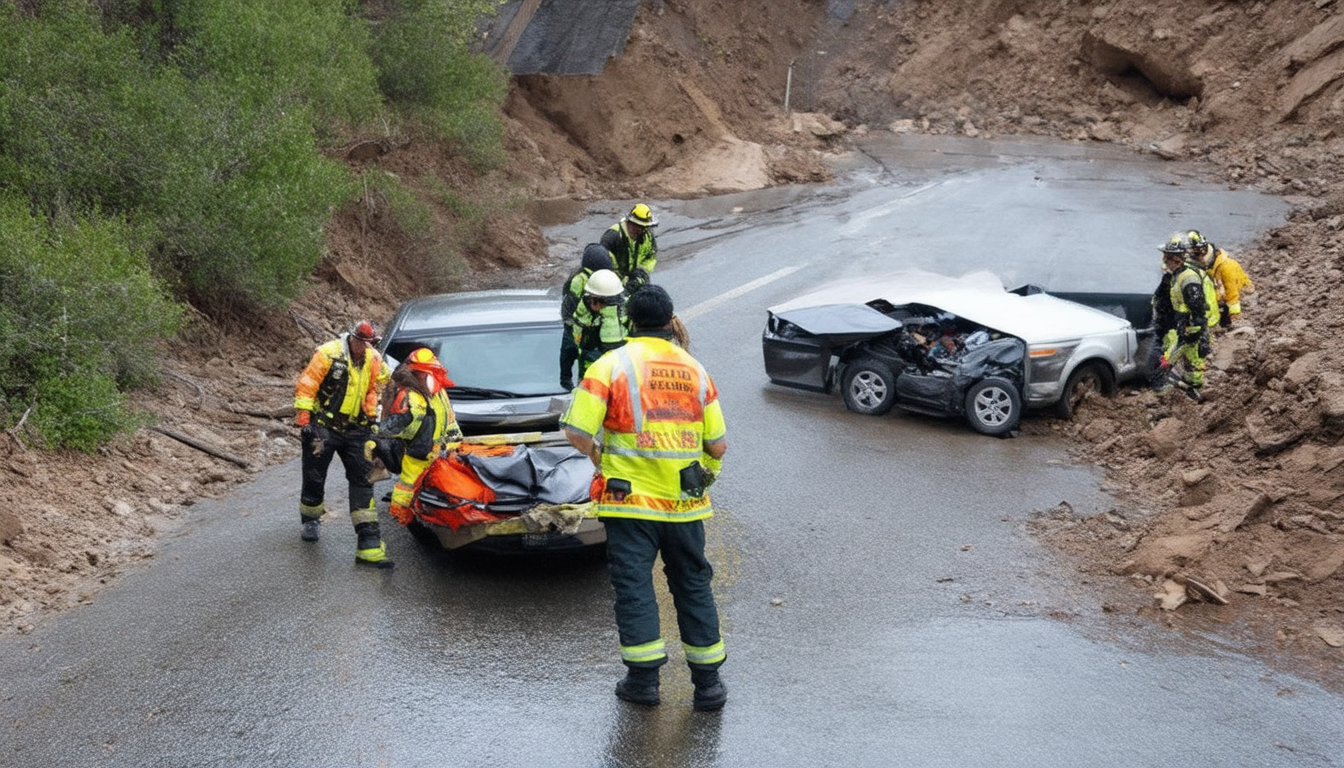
(632, 547)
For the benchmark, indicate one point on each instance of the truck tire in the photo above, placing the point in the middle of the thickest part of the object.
(1086, 380)
(993, 406)
(869, 386)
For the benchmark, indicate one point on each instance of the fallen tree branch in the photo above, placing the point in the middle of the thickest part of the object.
(13, 431)
(312, 328)
(200, 391)
(181, 438)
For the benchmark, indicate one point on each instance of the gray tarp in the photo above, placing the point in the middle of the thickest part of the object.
(530, 476)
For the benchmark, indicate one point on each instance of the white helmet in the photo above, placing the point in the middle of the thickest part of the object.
(604, 284)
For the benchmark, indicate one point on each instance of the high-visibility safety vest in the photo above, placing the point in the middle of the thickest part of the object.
(1185, 275)
(425, 425)
(654, 409)
(630, 255)
(602, 330)
(339, 393)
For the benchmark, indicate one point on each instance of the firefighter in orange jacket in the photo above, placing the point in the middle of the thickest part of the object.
(335, 403)
(421, 416)
(648, 415)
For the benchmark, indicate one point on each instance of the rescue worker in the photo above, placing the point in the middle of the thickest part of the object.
(595, 257)
(648, 416)
(1230, 281)
(1196, 305)
(1163, 326)
(599, 320)
(335, 404)
(633, 247)
(420, 415)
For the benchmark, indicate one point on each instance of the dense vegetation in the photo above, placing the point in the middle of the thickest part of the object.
(160, 152)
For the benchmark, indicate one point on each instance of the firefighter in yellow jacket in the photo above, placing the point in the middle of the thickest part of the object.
(648, 415)
(335, 403)
(420, 415)
(1229, 279)
(1196, 306)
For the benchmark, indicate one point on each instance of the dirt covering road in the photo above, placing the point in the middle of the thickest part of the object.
(1241, 492)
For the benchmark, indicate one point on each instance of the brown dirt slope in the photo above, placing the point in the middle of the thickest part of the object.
(1242, 491)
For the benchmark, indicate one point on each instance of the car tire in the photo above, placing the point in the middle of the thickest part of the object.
(993, 406)
(1086, 380)
(869, 386)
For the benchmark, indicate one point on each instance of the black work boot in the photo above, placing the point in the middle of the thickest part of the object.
(371, 550)
(640, 686)
(710, 692)
(310, 528)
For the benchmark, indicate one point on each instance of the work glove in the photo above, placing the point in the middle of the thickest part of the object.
(369, 445)
(303, 417)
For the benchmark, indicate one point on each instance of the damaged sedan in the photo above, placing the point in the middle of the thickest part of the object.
(960, 347)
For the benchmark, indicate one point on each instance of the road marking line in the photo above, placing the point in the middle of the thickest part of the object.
(724, 298)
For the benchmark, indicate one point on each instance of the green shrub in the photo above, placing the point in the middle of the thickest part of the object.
(426, 66)
(385, 189)
(80, 316)
(243, 205)
(81, 410)
(224, 168)
(278, 53)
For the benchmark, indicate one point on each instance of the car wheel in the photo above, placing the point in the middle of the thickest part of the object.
(869, 386)
(1086, 380)
(993, 406)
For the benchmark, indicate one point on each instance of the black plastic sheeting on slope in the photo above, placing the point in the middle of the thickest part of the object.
(562, 37)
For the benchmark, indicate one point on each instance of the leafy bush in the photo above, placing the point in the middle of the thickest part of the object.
(425, 64)
(268, 53)
(224, 167)
(175, 144)
(80, 316)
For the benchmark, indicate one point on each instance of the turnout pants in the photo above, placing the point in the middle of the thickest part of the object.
(632, 547)
(349, 445)
(569, 355)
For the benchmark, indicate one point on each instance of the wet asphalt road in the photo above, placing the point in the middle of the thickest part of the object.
(881, 600)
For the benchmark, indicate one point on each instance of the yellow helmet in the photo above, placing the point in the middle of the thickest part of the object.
(642, 216)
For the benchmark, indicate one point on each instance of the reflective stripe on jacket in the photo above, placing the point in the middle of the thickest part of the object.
(654, 409)
(337, 391)
(425, 425)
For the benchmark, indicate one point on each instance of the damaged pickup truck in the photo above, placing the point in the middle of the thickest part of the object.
(962, 347)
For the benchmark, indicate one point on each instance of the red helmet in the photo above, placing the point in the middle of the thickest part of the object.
(422, 360)
(365, 332)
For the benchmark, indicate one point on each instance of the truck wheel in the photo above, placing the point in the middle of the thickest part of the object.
(869, 386)
(993, 406)
(1086, 380)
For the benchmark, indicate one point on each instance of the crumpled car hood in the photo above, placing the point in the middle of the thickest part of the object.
(842, 323)
(977, 296)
